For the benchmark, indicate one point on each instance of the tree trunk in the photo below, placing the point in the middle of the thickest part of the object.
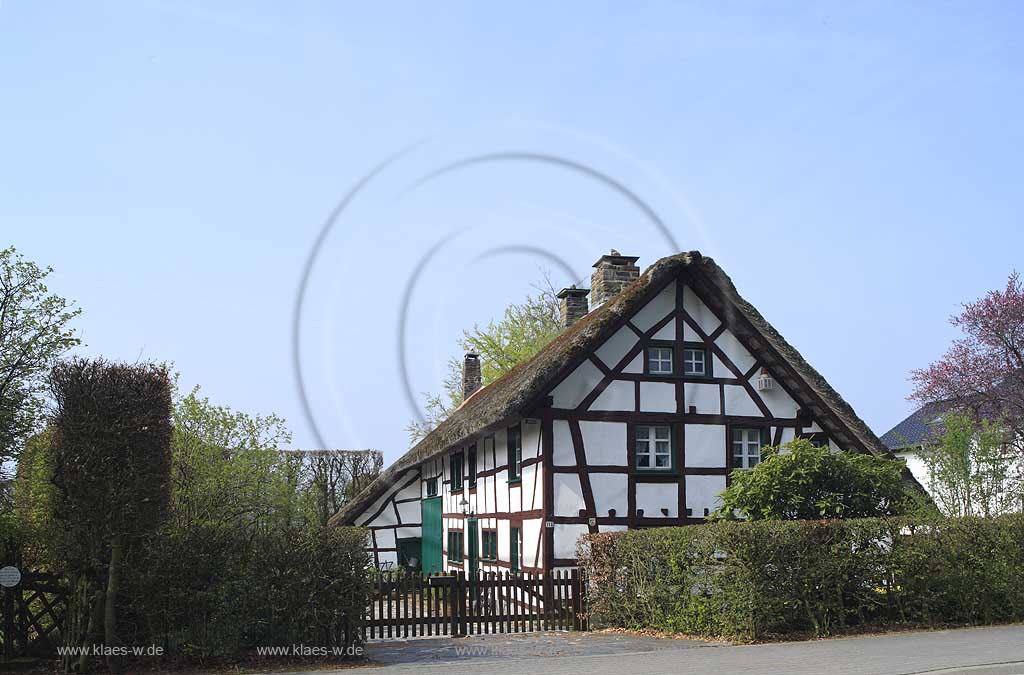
(92, 633)
(109, 611)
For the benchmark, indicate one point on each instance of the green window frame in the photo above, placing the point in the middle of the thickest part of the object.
(455, 463)
(654, 447)
(455, 546)
(490, 545)
(515, 453)
(695, 360)
(746, 445)
(660, 359)
(471, 460)
(514, 545)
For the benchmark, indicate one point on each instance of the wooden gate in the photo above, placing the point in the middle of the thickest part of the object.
(33, 614)
(408, 604)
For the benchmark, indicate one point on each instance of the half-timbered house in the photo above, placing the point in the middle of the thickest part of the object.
(633, 416)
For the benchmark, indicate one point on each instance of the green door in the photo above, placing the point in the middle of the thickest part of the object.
(474, 544)
(431, 555)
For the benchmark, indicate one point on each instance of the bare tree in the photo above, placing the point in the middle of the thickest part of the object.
(332, 477)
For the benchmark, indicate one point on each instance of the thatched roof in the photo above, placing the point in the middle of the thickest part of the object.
(521, 389)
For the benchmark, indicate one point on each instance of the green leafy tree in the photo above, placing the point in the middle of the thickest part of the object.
(228, 470)
(972, 468)
(799, 481)
(524, 329)
(34, 333)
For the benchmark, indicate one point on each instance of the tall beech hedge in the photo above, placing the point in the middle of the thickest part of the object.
(752, 580)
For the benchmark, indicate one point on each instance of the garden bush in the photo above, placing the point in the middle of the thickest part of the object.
(754, 580)
(298, 586)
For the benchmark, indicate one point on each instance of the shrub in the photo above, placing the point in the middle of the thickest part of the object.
(799, 481)
(300, 586)
(749, 580)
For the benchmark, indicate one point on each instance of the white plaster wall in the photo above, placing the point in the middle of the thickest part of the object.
(531, 536)
(501, 490)
(611, 491)
(616, 347)
(660, 306)
(504, 529)
(653, 497)
(388, 557)
(619, 395)
(700, 313)
(568, 495)
(385, 538)
(531, 438)
(604, 442)
(407, 532)
(917, 466)
(562, 453)
(409, 512)
(704, 396)
(386, 516)
(788, 434)
(737, 353)
(565, 539)
(705, 445)
(778, 401)
(571, 391)
(636, 366)
(657, 397)
(666, 332)
(738, 402)
(702, 493)
(530, 476)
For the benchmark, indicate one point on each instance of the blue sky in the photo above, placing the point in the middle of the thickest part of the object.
(855, 167)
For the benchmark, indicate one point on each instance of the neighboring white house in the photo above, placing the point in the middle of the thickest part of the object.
(919, 430)
(634, 416)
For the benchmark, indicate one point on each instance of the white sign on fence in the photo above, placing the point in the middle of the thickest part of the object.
(10, 576)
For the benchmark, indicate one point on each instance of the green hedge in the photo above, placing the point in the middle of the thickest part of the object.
(211, 593)
(752, 580)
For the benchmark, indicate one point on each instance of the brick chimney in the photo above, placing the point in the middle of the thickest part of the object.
(572, 305)
(612, 273)
(471, 377)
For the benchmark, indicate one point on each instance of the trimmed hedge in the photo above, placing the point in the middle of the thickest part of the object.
(751, 580)
(198, 600)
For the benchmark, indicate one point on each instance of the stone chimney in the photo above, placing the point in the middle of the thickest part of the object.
(471, 378)
(572, 305)
(612, 273)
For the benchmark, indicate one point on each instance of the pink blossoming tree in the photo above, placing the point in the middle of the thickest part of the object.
(984, 370)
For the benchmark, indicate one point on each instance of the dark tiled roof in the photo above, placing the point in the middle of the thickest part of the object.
(917, 427)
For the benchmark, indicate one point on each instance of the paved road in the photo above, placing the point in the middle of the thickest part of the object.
(948, 652)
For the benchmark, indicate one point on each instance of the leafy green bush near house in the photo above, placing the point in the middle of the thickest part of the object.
(799, 481)
(753, 580)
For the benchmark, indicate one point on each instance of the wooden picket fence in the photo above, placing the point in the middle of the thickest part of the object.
(408, 604)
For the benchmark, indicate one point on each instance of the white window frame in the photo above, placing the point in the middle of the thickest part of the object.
(703, 361)
(749, 454)
(651, 446)
(656, 355)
